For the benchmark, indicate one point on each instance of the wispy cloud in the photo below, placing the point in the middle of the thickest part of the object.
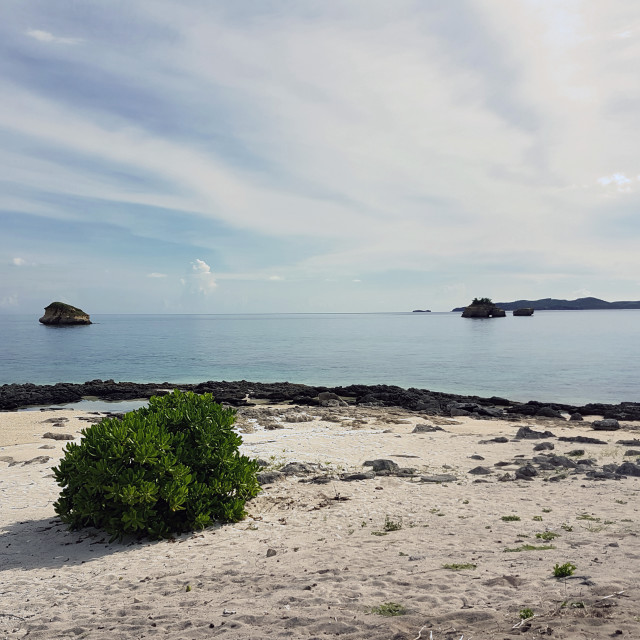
(156, 275)
(18, 262)
(49, 38)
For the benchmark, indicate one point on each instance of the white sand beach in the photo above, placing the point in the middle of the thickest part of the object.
(317, 560)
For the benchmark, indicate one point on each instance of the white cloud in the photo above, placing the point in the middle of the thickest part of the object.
(276, 278)
(45, 36)
(617, 180)
(19, 262)
(201, 280)
(156, 275)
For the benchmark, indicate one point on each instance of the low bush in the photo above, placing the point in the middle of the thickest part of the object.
(171, 467)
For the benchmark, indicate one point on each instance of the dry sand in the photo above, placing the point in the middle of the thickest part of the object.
(314, 561)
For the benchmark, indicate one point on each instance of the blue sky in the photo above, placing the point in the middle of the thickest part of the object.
(317, 156)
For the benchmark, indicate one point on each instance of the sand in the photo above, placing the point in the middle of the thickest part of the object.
(317, 560)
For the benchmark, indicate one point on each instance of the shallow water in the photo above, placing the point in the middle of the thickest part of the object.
(565, 356)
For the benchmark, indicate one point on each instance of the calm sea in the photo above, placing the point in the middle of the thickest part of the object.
(565, 356)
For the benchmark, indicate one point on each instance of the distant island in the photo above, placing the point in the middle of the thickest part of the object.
(553, 304)
(64, 315)
(421, 311)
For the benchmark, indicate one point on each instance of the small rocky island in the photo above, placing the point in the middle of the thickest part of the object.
(483, 308)
(61, 314)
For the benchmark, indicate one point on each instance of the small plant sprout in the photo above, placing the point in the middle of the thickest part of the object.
(564, 570)
(526, 613)
(459, 567)
(537, 518)
(547, 535)
(389, 609)
(510, 518)
(392, 525)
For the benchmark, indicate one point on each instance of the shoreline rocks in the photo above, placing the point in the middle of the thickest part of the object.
(61, 314)
(243, 393)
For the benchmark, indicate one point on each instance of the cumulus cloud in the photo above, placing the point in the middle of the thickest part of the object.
(46, 36)
(156, 275)
(19, 262)
(200, 279)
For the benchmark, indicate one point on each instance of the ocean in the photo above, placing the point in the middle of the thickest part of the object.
(572, 357)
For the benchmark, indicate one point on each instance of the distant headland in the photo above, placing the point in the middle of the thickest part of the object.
(553, 304)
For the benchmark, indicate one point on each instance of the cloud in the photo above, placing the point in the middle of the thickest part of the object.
(617, 180)
(156, 275)
(45, 36)
(200, 280)
(19, 262)
(276, 278)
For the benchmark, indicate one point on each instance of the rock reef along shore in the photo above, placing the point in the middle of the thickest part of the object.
(244, 393)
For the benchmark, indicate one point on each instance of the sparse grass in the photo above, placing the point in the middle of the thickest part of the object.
(537, 518)
(587, 516)
(526, 613)
(510, 518)
(389, 609)
(465, 502)
(530, 547)
(566, 527)
(402, 553)
(546, 510)
(621, 501)
(547, 535)
(379, 533)
(459, 567)
(392, 525)
(564, 570)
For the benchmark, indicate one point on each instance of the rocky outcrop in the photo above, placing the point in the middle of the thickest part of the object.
(483, 311)
(61, 314)
(525, 311)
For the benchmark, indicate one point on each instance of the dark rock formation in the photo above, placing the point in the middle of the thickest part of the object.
(483, 311)
(61, 314)
(523, 311)
(422, 311)
(605, 425)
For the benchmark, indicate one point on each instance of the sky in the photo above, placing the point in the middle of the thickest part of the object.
(206, 156)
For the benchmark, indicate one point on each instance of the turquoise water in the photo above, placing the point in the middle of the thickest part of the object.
(565, 356)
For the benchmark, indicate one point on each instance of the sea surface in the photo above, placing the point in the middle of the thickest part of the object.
(572, 357)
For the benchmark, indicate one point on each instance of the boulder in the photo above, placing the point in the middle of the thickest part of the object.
(61, 314)
(525, 311)
(605, 425)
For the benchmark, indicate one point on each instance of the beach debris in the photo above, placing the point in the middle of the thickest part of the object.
(271, 553)
(58, 436)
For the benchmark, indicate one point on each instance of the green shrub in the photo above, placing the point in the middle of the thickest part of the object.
(564, 570)
(479, 301)
(171, 467)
